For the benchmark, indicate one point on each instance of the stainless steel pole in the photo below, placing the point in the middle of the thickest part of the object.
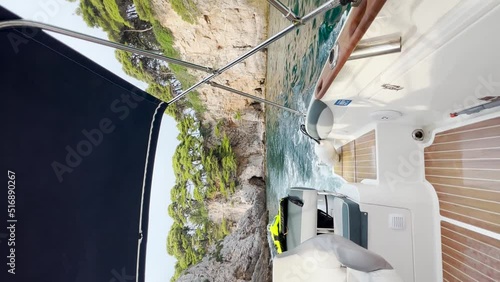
(151, 54)
(63, 31)
(377, 46)
(323, 8)
(258, 99)
(297, 22)
(287, 12)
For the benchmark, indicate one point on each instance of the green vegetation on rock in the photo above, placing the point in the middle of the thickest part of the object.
(186, 9)
(144, 10)
(202, 174)
(133, 23)
(204, 163)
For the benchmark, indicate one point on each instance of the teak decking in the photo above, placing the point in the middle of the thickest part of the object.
(463, 165)
(358, 159)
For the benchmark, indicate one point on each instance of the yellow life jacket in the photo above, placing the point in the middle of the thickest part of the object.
(275, 232)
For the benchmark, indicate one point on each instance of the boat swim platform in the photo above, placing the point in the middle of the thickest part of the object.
(463, 166)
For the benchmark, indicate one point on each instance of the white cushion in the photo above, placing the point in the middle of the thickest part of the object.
(308, 268)
(384, 275)
(309, 262)
(318, 260)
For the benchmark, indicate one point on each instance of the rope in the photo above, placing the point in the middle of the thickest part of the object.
(304, 131)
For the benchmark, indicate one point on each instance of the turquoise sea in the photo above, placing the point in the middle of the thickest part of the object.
(294, 64)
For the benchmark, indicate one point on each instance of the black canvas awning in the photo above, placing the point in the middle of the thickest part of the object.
(78, 146)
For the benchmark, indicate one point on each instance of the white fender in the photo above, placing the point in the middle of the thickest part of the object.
(326, 152)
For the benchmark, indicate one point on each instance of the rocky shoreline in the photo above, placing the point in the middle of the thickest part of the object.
(241, 256)
(220, 35)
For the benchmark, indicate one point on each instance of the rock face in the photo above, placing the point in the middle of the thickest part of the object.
(225, 30)
(241, 256)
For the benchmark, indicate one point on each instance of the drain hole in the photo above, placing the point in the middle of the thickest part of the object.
(418, 135)
(332, 56)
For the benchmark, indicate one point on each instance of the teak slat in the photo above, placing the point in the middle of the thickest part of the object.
(370, 136)
(471, 183)
(463, 164)
(488, 242)
(470, 202)
(479, 194)
(348, 154)
(366, 150)
(338, 167)
(448, 277)
(456, 272)
(349, 167)
(369, 170)
(359, 159)
(464, 154)
(485, 272)
(471, 221)
(467, 135)
(486, 123)
(493, 142)
(366, 163)
(466, 269)
(483, 215)
(465, 173)
(367, 157)
(459, 244)
(349, 173)
(348, 148)
(367, 143)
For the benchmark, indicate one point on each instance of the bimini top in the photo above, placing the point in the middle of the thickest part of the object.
(78, 145)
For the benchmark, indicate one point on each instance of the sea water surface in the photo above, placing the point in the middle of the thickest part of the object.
(293, 67)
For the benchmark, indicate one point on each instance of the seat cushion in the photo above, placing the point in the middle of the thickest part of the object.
(309, 267)
(384, 275)
(321, 259)
(298, 268)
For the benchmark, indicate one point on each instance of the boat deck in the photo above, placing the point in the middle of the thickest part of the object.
(463, 165)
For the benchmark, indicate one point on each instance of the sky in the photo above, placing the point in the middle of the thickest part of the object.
(159, 265)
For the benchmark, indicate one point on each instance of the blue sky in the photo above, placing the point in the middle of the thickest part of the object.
(159, 266)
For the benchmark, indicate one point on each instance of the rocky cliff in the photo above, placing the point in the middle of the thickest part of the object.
(224, 30)
(241, 256)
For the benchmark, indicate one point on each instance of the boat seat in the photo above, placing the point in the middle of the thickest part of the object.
(330, 257)
(319, 120)
(349, 221)
(301, 220)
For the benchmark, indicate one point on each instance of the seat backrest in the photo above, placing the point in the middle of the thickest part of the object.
(349, 222)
